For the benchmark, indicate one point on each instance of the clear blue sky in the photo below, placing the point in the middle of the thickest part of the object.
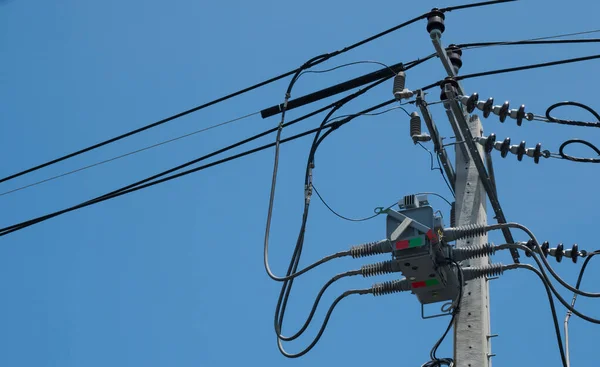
(173, 275)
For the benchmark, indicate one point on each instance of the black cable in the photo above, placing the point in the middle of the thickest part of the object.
(323, 325)
(316, 304)
(527, 67)
(378, 211)
(334, 124)
(571, 122)
(549, 282)
(517, 68)
(291, 273)
(295, 259)
(121, 192)
(525, 42)
(242, 91)
(316, 60)
(474, 5)
(577, 285)
(578, 159)
(552, 310)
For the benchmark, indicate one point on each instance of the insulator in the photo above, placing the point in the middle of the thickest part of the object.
(370, 249)
(489, 143)
(455, 55)
(487, 106)
(537, 153)
(521, 150)
(446, 81)
(435, 20)
(545, 248)
(530, 245)
(490, 270)
(503, 112)
(574, 253)
(505, 147)
(399, 83)
(520, 115)
(415, 126)
(472, 102)
(394, 286)
(453, 214)
(380, 268)
(467, 231)
(559, 252)
(472, 252)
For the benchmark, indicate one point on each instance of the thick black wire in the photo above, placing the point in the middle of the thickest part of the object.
(556, 293)
(517, 68)
(571, 122)
(338, 105)
(525, 42)
(323, 325)
(578, 159)
(544, 260)
(552, 309)
(130, 189)
(295, 259)
(474, 5)
(316, 304)
(317, 60)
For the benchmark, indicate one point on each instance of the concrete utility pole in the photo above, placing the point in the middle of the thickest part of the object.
(472, 347)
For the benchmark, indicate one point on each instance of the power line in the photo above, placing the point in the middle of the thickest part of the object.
(127, 154)
(134, 187)
(517, 68)
(475, 5)
(534, 41)
(318, 60)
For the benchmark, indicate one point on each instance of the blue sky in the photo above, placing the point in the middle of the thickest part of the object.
(173, 275)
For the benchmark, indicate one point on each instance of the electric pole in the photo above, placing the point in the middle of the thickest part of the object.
(472, 347)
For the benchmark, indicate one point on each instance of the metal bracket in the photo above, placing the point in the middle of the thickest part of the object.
(435, 138)
(449, 313)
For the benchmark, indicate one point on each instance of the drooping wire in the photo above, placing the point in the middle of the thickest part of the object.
(439, 167)
(316, 304)
(323, 325)
(546, 284)
(569, 313)
(128, 154)
(378, 210)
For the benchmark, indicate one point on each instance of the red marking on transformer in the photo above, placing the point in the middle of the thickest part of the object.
(418, 284)
(401, 245)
